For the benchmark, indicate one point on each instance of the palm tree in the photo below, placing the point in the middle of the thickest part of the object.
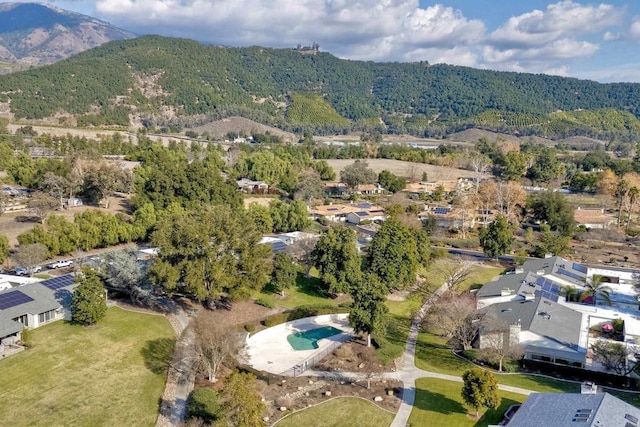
(632, 194)
(571, 293)
(594, 287)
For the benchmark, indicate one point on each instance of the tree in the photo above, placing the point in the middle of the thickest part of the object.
(41, 204)
(288, 217)
(480, 165)
(123, 273)
(309, 187)
(208, 253)
(594, 288)
(510, 200)
(56, 186)
(455, 317)
(554, 209)
(336, 258)
(5, 247)
(261, 218)
(205, 404)
(357, 174)
(325, 171)
(368, 311)
(546, 167)
(496, 239)
(551, 243)
(512, 166)
(102, 180)
(391, 182)
(393, 255)
(454, 271)
(89, 302)
(284, 272)
(243, 404)
(613, 356)
(215, 347)
(30, 255)
(480, 389)
(497, 343)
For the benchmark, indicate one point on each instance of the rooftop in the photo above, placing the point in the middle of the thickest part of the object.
(575, 410)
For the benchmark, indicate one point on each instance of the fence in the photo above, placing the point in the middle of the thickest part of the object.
(311, 361)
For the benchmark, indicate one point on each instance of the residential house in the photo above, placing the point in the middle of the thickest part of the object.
(333, 188)
(545, 330)
(250, 186)
(340, 212)
(573, 409)
(33, 305)
(593, 218)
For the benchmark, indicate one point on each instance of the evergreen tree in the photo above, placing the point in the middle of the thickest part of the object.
(480, 389)
(336, 257)
(284, 272)
(89, 301)
(368, 311)
(496, 239)
(393, 255)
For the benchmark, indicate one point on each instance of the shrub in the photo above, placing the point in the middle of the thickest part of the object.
(265, 302)
(274, 320)
(249, 327)
(204, 403)
(618, 325)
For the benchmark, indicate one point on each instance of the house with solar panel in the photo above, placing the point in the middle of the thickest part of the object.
(573, 409)
(31, 306)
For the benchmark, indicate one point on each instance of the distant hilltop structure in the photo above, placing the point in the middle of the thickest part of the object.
(313, 49)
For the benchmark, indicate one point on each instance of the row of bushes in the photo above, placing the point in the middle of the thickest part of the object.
(302, 312)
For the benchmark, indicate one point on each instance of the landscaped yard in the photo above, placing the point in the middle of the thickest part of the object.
(110, 374)
(340, 412)
(439, 403)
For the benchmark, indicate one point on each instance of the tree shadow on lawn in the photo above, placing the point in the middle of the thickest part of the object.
(157, 354)
(311, 286)
(435, 402)
(494, 416)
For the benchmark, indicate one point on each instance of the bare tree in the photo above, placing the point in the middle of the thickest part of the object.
(411, 172)
(215, 346)
(301, 249)
(499, 341)
(480, 165)
(455, 317)
(511, 198)
(370, 365)
(56, 186)
(453, 271)
(30, 255)
(40, 204)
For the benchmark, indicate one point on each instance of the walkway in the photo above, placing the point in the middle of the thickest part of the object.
(181, 375)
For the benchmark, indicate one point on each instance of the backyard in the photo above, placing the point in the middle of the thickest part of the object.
(340, 412)
(110, 374)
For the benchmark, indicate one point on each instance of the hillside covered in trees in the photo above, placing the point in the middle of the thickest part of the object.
(147, 77)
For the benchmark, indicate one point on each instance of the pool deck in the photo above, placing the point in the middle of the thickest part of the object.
(269, 350)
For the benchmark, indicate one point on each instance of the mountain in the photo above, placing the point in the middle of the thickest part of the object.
(33, 34)
(176, 83)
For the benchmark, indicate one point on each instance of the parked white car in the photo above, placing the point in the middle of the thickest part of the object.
(61, 264)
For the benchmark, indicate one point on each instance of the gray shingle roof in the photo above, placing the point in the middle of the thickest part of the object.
(495, 288)
(575, 410)
(541, 316)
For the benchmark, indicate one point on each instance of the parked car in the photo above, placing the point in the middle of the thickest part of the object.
(36, 269)
(21, 271)
(61, 264)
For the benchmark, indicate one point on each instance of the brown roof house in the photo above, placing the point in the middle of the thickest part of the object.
(593, 218)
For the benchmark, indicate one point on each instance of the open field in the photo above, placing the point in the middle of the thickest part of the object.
(110, 374)
(400, 168)
(439, 403)
(340, 412)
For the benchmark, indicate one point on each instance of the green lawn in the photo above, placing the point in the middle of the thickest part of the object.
(399, 322)
(439, 403)
(341, 412)
(304, 293)
(110, 374)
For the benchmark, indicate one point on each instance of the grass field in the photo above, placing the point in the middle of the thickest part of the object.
(110, 374)
(401, 168)
(439, 403)
(340, 412)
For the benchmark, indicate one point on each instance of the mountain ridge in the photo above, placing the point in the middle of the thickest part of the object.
(160, 81)
(33, 34)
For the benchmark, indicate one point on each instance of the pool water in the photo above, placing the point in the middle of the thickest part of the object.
(308, 340)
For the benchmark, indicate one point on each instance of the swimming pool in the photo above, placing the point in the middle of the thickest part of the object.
(308, 340)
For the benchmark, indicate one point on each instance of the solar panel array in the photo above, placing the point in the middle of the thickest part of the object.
(362, 213)
(441, 211)
(363, 205)
(13, 298)
(58, 282)
(570, 274)
(547, 289)
(579, 267)
(278, 246)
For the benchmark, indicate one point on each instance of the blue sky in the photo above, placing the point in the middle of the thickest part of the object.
(584, 39)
